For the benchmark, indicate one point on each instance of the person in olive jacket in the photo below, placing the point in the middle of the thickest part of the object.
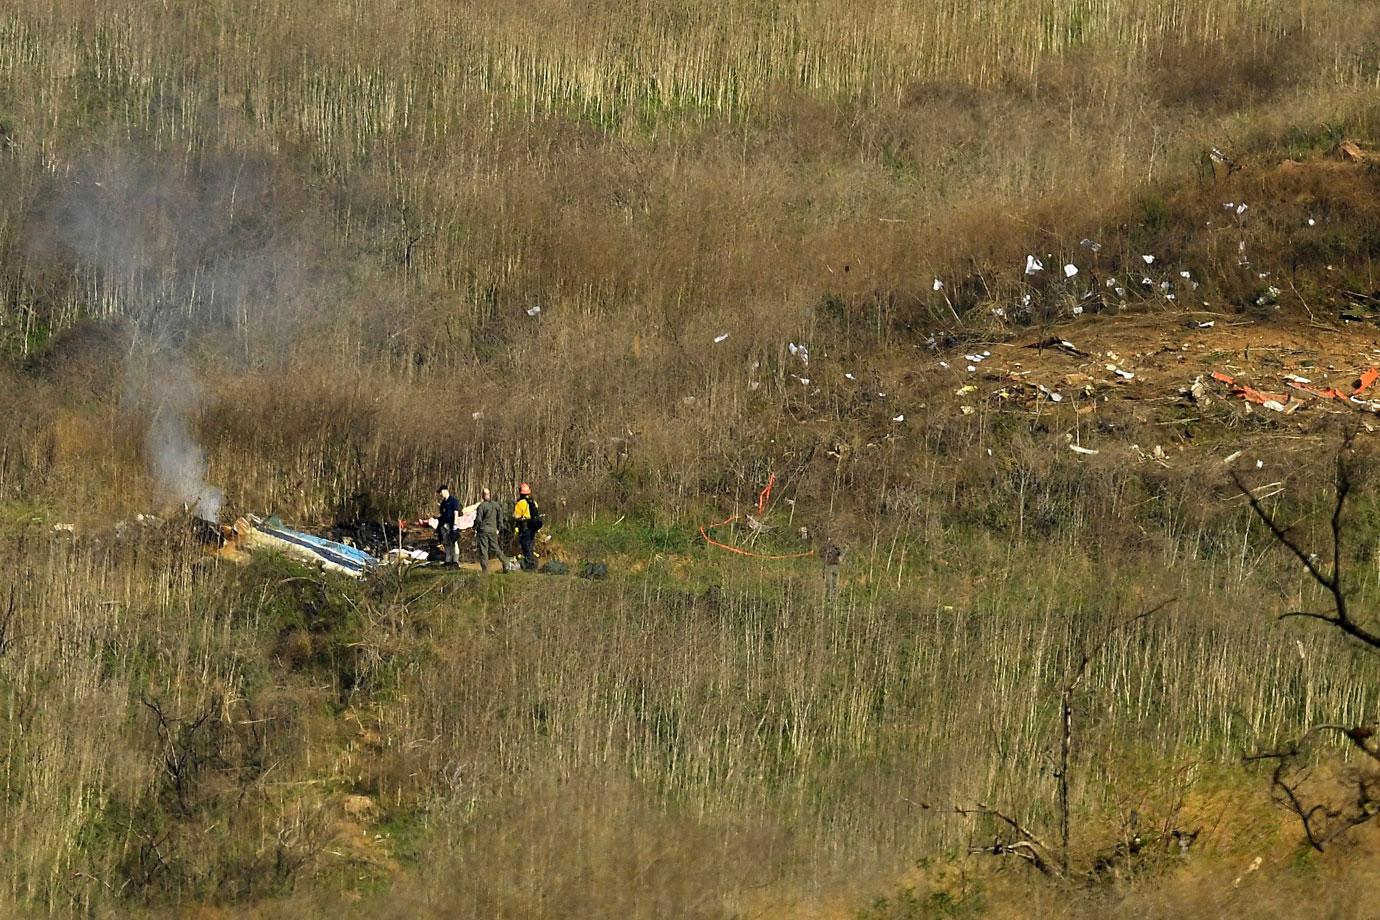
(486, 521)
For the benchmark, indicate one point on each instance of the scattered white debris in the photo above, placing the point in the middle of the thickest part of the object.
(1232, 458)
(1121, 292)
(1090, 245)
(1207, 325)
(1070, 270)
(1229, 206)
(1241, 208)
(533, 311)
(1077, 311)
(1295, 378)
(1149, 260)
(972, 369)
(1185, 275)
(1087, 451)
(800, 351)
(899, 418)
(976, 359)
(851, 377)
(1052, 396)
(804, 380)
(1260, 464)
(1124, 375)
(944, 364)
(1033, 265)
(965, 390)
(477, 415)
(720, 339)
(1312, 222)
(938, 285)
(966, 410)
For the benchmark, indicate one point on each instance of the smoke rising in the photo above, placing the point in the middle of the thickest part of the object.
(202, 263)
(177, 459)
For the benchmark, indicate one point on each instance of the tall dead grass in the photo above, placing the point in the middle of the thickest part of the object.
(647, 745)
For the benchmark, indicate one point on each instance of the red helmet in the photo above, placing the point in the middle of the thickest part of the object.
(524, 489)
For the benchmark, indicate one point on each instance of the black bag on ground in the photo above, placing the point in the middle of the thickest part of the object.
(555, 567)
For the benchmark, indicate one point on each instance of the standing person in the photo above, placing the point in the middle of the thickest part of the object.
(832, 557)
(486, 519)
(527, 519)
(448, 525)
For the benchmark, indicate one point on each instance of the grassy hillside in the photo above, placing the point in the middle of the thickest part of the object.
(321, 257)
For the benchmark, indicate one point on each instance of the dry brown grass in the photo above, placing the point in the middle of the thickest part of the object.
(338, 218)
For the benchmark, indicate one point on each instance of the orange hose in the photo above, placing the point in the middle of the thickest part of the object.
(704, 532)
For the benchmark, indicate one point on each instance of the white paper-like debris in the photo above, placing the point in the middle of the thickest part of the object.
(1260, 464)
(938, 285)
(1077, 311)
(477, 415)
(966, 410)
(944, 364)
(804, 380)
(1121, 292)
(1033, 265)
(1295, 378)
(1229, 206)
(720, 339)
(1312, 222)
(533, 311)
(976, 359)
(1185, 275)
(1232, 458)
(1241, 208)
(851, 377)
(1082, 450)
(972, 369)
(1091, 246)
(1149, 260)
(1070, 270)
(899, 418)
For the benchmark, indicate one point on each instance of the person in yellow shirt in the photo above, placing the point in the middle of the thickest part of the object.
(527, 520)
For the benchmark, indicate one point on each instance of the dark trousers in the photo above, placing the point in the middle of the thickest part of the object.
(527, 542)
(487, 543)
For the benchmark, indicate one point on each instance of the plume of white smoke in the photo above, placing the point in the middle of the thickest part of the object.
(179, 463)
